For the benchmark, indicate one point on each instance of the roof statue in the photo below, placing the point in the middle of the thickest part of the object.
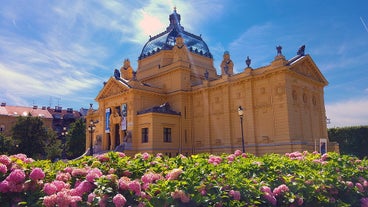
(279, 48)
(227, 64)
(166, 40)
(180, 52)
(126, 70)
(301, 50)
(248, 61)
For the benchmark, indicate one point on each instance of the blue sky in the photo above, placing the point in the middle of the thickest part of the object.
(60, 52)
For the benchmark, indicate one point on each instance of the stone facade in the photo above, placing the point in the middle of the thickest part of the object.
(175, 102)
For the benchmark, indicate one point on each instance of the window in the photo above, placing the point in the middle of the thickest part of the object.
(144, 135)
(2, 128)
(167, 134)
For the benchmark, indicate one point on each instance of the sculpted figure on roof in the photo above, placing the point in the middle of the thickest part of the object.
(227, 64)
(180, 52)
(127, 70)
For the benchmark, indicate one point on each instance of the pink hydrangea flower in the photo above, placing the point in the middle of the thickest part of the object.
(4, 186)
(112, 171)
(49, 201)
(268, 195)
(215, 160)
(93, 174)
(124, 183)
(16, 176)
(83, 187)
(360, 187)
(103, 158)
(235, 194)
(174, 174)
(364, 202)
(49, 188)
(91, 197)
(135, 186)
(37, 174)
(231, 158)
(270, 198)
(3, 168)
(179, 194)
(150, 177)
(63, 176)
(5, 160)
(280, 190)
(238, 153)
(121, 154)
(299, 201)
(79, 172)
(349, 184)
(119, 200)
(60, 185)
(145, 156)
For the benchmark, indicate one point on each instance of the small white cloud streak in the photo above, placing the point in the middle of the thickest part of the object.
(348, 113)
(365, 26)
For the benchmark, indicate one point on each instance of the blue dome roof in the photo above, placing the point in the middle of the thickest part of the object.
(166, 40)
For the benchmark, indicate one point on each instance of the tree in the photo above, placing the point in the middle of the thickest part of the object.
(53, 148)
(352, 140)
(76, 139)
(32, 138)
(7, 145)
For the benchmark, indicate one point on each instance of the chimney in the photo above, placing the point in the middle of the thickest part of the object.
(3, 104)
(35, 107)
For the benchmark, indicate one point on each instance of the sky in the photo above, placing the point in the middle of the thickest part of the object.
(59, 53)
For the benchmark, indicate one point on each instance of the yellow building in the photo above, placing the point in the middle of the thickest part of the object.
(175, 102)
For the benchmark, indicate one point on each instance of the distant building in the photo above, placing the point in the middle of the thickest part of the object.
(62, 118)
(175, 102)
(9, 115)
(55, 119)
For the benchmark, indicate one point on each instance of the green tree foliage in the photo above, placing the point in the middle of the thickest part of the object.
(7, 145)
(32, 138)
(76, 139)
(352, 140)
(53, 148)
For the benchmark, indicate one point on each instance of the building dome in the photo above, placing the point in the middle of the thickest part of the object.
(166, 40)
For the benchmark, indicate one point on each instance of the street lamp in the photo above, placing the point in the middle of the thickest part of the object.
(241, 113)
(63, 135)
(91, 129)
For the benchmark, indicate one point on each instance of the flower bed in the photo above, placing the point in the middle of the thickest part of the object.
(113, 179)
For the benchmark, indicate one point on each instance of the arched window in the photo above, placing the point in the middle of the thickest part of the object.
(2, 128)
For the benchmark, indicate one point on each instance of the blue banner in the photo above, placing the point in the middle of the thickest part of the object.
(124, 111)
(107, 120)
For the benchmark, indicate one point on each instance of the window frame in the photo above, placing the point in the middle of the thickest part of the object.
(167, 135)
(144, 134)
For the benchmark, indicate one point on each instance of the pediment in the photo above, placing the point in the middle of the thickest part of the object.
(112, 87)
(306, 67)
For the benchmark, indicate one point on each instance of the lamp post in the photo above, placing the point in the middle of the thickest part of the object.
(91, 129)
(241, 113)
(63, 136)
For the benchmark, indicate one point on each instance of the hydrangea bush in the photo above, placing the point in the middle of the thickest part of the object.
(239, 179)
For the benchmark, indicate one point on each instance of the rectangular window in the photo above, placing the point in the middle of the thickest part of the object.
(144, 135)
(167, 134)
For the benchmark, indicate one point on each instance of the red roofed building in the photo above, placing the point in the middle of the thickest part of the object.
(9, 115)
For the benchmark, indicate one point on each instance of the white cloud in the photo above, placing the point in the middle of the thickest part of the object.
(348, 113)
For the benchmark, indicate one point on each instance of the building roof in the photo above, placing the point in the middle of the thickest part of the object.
(25, 111)
(66, 114)
(163, 109)
(166, 40)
